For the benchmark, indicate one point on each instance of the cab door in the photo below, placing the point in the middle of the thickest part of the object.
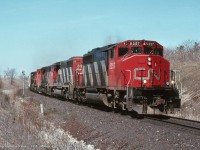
(111, 68)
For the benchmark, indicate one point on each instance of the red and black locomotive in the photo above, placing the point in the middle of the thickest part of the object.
(132, 75)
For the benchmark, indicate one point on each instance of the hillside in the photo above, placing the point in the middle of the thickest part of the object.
(190, 79)
(185, 58)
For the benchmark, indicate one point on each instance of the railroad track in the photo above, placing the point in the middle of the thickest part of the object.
(183, 124)
(189, 125)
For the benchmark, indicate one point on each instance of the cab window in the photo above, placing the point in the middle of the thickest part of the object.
(112, 54)
(122, 51)
(136, 50)
(148, 50)
(158, 51)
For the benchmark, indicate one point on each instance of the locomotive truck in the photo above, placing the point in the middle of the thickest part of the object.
(132, 75)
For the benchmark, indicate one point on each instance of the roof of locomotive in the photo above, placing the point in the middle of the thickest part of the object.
(47, 68)
(56, 64)
(64, 62)
(141, 42)
(100, 49)
(34, 72)
(74, 57)
(107, 47)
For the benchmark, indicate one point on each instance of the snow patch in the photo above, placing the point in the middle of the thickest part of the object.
(58, 138)
(54, 137)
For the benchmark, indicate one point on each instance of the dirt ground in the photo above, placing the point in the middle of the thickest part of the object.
(12, 133)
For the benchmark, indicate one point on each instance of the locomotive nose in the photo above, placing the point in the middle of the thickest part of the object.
(153, 62)
(149, 63)
(154, 71)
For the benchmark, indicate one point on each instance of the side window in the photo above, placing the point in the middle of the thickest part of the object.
(122, 51)
(112, 54)
(136, 50)
(158, 51)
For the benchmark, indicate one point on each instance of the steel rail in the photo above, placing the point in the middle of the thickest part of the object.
(178, 118)
(192, 124)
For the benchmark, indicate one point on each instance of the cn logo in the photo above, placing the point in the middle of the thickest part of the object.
(79, 67)
(157, 76)
(112, 65)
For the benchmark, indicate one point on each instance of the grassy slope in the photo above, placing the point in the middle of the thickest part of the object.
(190, 79)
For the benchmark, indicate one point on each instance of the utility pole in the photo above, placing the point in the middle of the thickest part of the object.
(23, 74)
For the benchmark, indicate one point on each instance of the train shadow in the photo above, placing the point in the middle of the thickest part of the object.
(162, 117)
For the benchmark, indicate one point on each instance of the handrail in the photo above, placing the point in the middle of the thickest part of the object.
(129, 78)
(178, 80)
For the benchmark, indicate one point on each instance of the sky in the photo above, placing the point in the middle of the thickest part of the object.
(37, 33)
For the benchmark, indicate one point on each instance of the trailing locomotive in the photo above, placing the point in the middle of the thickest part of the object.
(132, 75)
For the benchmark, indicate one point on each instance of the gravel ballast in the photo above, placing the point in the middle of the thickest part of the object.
(110, 130)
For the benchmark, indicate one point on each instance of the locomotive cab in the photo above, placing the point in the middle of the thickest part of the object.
(137, 64)
(45, 76)
(54, 74)
(74, 78)
(32, 81)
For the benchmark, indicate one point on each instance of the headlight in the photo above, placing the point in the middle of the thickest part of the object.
(167, 83)
(172, 82)
(149, 58)
(149, 63)
(144, 81)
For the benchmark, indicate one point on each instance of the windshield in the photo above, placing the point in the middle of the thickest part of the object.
(158, 51)
(148, 50)
(136, 50)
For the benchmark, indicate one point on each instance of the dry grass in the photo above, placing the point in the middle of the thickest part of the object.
(5, 101)
(190, 79)
(17, 93)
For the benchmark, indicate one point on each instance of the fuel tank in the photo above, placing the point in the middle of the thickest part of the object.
(97, 98)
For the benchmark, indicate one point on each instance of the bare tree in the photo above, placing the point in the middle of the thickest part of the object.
(1, 83)
(196, 50)
(189, 50)
(170, 54)
(10, 73)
